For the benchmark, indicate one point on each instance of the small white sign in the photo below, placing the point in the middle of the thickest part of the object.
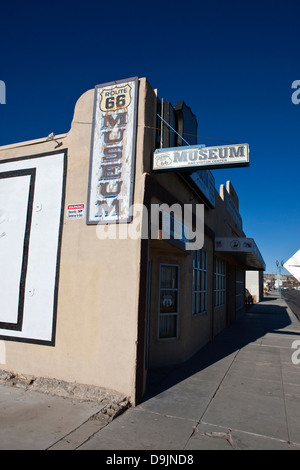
(75, 211)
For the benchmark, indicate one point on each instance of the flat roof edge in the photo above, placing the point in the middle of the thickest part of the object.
(31, 142)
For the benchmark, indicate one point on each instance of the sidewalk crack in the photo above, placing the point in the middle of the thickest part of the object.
(195, 428)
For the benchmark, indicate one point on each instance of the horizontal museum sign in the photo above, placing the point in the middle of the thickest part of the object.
(198, 157)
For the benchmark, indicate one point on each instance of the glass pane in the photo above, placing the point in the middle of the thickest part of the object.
(168, 301)
(197, 303)
(169, 277)
(203, 259)
(198, 280)
(168, 326)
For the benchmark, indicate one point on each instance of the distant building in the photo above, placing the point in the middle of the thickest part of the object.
(255, 285)
(288, 280)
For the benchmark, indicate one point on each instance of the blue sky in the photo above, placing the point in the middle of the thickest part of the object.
(232, 62)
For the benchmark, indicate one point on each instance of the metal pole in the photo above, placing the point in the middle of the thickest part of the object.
(279, 276)
(280, 282)
(161, 125)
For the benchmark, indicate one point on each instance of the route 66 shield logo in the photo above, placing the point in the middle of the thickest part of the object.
(116, 98)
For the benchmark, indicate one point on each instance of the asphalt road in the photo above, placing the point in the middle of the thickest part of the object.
(292, 298)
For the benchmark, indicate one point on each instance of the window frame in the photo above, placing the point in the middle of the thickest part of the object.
(202, 272)
(219, 282)
(175, 289)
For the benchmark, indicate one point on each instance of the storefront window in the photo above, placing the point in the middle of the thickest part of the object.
(199, 282)
(219, 283)
(168, 301)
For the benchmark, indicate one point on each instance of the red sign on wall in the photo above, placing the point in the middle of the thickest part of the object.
(75, 211)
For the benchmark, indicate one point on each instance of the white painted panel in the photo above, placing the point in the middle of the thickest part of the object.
(40, 288)
(14, 192)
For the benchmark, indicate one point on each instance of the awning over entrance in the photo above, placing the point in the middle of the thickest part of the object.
(244, 250)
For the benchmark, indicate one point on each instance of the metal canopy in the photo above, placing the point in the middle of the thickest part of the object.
(244, 250)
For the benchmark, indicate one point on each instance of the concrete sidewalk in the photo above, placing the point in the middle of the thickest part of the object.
(242, 391)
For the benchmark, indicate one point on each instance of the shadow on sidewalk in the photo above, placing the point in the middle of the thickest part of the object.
(258, 320)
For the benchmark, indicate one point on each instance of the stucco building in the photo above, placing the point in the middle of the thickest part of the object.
(92, 291)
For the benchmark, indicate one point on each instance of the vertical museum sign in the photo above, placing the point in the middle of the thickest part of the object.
(112, 161)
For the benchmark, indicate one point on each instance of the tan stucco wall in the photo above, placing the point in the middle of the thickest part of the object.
(96, 329)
